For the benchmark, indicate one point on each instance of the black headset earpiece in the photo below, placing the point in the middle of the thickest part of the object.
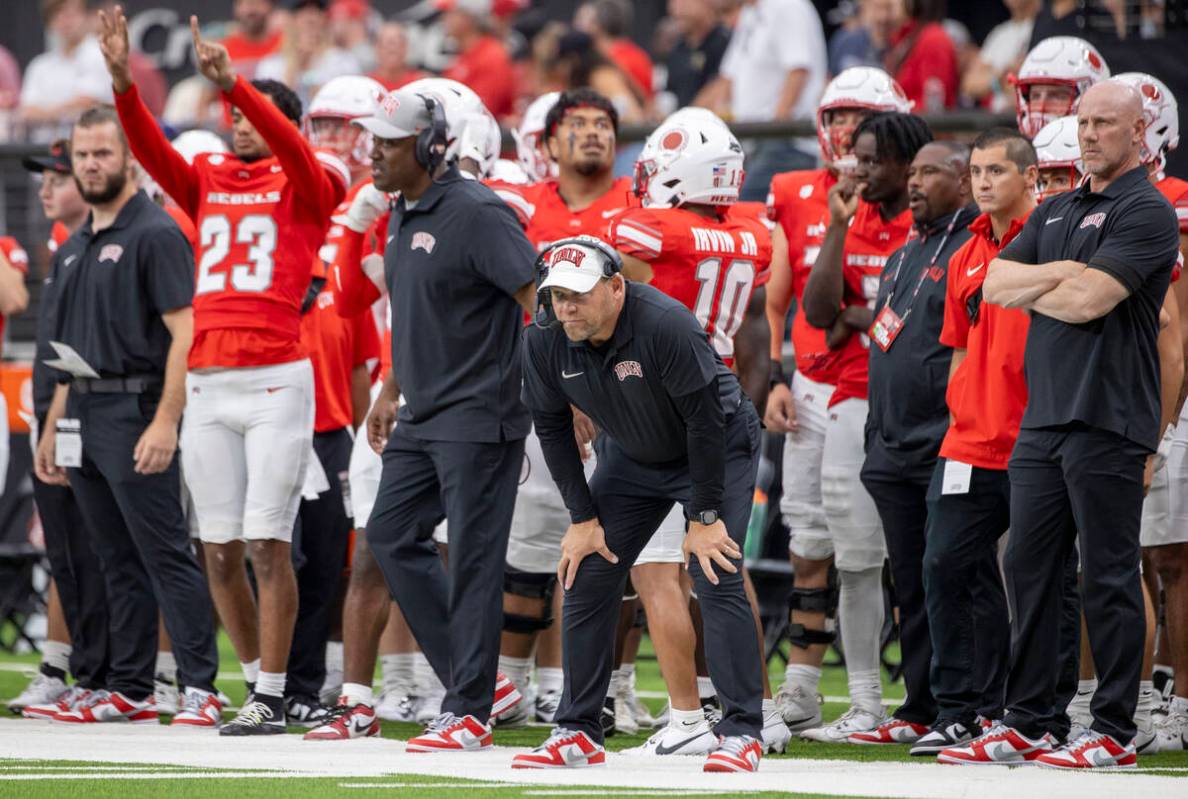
(433, 140)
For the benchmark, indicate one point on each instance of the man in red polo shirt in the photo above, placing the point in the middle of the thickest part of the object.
(482, 63)
(969, 499)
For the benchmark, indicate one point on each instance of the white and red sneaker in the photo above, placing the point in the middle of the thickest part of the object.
(449, 733)
(1000, 745)
(1090, 750)
(198, 709)
(73, 697)
(102, 706)
(891, 731)
(563, 749)
(507, 695)
(346, 721)
(734, 753)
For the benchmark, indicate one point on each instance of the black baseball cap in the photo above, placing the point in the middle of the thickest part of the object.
(57, 160)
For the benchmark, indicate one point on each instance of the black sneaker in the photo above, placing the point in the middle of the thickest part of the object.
(943, 735)
(607, 719)
(305, 711)
(265, 715)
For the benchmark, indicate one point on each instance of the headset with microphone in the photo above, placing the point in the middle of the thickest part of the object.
(433, 141)
(612, 264)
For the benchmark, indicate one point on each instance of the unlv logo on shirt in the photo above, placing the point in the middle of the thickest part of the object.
(424, 241)
(626, 369)
(1093, 220)
(111, 252)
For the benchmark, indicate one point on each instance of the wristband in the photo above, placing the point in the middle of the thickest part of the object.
(775, 375)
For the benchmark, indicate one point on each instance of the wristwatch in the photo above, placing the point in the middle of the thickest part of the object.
(706, 517)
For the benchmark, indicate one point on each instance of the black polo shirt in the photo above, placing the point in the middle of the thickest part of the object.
(453, 264)
(908, 415)
(1103, 373)
(111, 288)
(690, 67)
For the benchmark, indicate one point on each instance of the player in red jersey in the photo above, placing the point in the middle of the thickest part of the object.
(14, 298)
(868, 220)
(798, 203)
(246, 438)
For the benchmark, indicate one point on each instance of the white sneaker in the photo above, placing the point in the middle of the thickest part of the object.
(429, 708)
(799, 709)
(627, 700)
(624, 715)
(1173, 730)
(165, 695)
(776, 734)
(546, 705)
(1146, 737)
(331, 688)
(41, 690)
(852, 721)
(396, 706)
(678, 739)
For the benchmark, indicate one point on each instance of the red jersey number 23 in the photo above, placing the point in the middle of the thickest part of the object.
(254, 240)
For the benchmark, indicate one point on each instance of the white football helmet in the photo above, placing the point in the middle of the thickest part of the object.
(340, 100)
(1058, 60)
(192, 143)
(529, 136)
(1161, 112)
(459, 102)
(690, 158)
(868, 88)
(1057, 148)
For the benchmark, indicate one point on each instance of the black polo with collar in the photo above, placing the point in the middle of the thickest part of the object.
(1103, 373)
(453, 264)
(111, 287)
(658, 351)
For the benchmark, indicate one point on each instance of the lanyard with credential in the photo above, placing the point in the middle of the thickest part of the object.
(887, 323)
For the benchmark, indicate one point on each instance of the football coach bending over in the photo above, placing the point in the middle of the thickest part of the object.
(675, 427)
(1092, 266)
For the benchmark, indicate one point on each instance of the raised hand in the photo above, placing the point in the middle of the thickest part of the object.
(113, 41)
(213, 60)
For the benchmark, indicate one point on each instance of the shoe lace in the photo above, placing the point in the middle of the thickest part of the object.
(195, 701)
(95, 698)
(442, 723)
(253, 714)
(558, 736)
(735, 744)
(341, 710)
(1083, 739)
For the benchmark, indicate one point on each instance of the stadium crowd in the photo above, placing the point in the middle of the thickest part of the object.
(329, 373)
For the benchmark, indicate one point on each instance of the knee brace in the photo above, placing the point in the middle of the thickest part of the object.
(815, 600)
(531, 585)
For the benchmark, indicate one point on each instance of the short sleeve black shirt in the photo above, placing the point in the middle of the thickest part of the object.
(658, 351)
(453, 264)
(1104, 373)
(690, 66)
(112, 286)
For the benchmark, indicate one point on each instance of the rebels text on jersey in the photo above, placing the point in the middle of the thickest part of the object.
(547, 218)
(260, 225)
(799, 204)
(711, 265)
(869, 243)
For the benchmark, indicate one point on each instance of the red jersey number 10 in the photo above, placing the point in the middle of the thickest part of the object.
(722, 299)
(258, 232)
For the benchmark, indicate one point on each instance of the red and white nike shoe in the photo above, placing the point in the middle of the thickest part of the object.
(346, 721)
(102, 706)
(1090, 750)
(507, 696)
(449, 733)
(734, 753)
(73, 697)
(891, 731)
(563, 749)
(1000, 745)
(198, 709)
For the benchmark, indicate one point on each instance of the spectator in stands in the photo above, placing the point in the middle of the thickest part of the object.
(863, 43)
(922, 58)
(697, 56)
(1057, 18)
(66, 80)
(482, 62)
(579, 63)
(1002, 53)
(10, 79)
(308, 58)
(391, 58)
(774, 69)
(349, 29)
(607, 23)
(255, 37)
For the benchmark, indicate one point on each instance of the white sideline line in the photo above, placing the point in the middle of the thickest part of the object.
(153, 775)
(484, 786)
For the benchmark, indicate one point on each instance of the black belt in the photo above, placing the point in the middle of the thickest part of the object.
(117, 385)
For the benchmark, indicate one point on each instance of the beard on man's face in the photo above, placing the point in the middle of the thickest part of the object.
(108, 191)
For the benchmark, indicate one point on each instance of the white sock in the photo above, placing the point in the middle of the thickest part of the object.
(627, 676)
(56, 655)
(425, 677)
(356, 694)
(167, 666)
(397, 672)
(1179, 705)
(517, 670)
(612, 688)
(334, 656)
(271, 683)
(768, 706)
(251, 671)
(866, 693)
(685, 718)
(860, 611)
(807, 677)
(549, 679)
(1087, 687)
(1147, 699)
(705, 688)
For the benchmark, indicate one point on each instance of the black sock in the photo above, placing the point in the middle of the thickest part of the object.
(52, 671)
